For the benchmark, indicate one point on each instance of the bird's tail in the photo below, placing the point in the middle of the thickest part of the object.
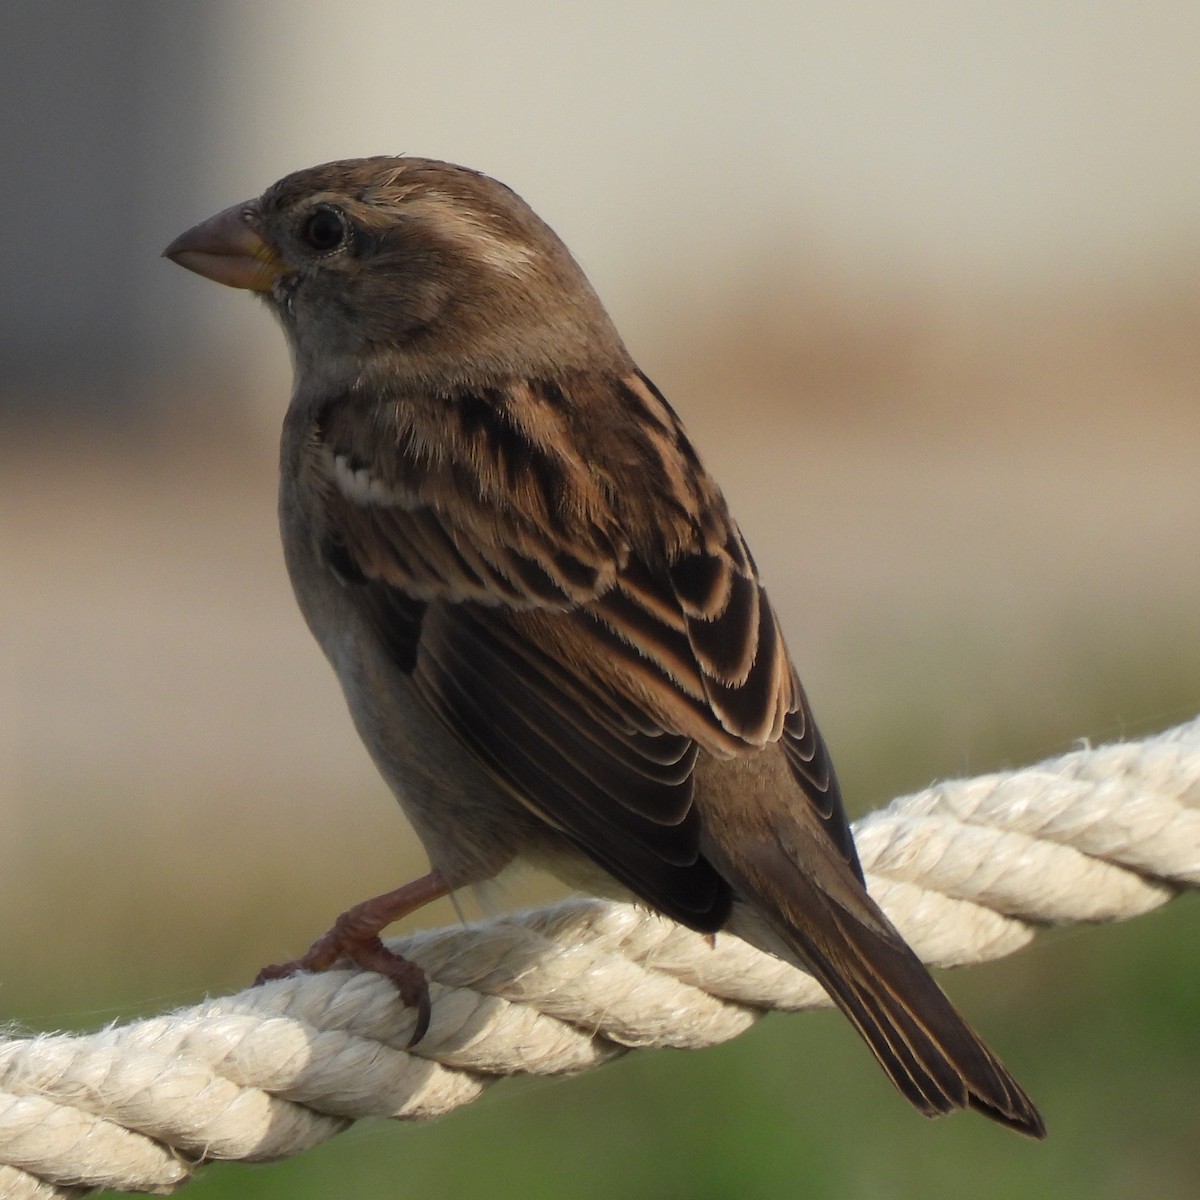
(928, 1051)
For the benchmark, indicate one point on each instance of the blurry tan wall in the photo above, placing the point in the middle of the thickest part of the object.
(934, 144)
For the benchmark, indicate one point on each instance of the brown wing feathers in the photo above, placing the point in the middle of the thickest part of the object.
(622, 641)
(628, 809)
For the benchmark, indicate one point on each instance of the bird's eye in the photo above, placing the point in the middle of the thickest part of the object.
(325, 230)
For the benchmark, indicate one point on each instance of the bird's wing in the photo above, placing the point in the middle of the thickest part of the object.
(581, 656)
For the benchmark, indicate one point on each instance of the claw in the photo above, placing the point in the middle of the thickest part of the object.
(370, 954)
(355, 936)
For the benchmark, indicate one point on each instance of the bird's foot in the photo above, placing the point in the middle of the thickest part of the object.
(355, 937)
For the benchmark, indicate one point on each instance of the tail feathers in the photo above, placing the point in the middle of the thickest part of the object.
(928, 1051)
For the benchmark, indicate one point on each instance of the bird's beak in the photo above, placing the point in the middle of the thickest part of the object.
(228, 249)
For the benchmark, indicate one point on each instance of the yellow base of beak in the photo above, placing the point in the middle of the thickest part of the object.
(229, 250)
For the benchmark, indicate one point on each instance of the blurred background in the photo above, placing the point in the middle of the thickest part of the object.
(923, 281)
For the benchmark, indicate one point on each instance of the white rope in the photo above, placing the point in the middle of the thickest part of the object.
(968, 870)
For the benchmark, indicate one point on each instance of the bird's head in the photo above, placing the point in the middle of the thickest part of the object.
(406, 269)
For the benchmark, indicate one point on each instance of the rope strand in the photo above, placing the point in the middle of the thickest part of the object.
(968, 871)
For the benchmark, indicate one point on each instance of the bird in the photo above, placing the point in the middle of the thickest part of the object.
(551, 635)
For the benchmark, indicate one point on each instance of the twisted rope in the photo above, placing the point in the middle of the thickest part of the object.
(968, 870)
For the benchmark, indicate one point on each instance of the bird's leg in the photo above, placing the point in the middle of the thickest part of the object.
(355, 936)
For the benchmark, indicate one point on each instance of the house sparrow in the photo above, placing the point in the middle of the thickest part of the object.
(550, 632)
